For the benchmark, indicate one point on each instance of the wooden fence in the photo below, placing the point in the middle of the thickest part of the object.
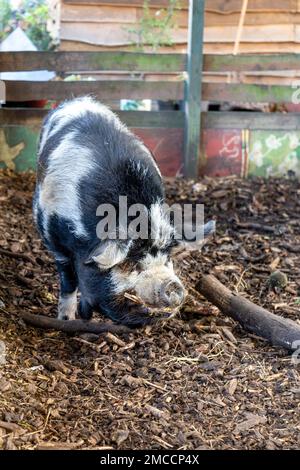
(174, 136)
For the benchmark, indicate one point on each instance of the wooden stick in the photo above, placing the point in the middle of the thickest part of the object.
(255, 226)
(277, 330)
(240, 27)
(72, 326)
(11, 254)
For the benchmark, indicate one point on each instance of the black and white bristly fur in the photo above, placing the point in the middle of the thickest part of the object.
(87, 157)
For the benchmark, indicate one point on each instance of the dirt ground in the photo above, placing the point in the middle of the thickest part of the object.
(195, 382)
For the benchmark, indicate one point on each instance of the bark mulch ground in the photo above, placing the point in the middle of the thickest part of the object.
(195, 382)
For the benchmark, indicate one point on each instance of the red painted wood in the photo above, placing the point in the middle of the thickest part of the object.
(221, 152)
(166, 146)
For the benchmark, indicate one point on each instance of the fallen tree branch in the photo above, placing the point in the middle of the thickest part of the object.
(277, 330)
(72, 326)
(256, 227)
(292, 249)
(11, 254)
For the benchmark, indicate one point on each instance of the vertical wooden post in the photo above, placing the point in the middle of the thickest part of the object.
(193, 88)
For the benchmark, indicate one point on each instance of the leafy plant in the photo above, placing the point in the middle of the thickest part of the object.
(6, 15)
(31, 16)
(155, 27)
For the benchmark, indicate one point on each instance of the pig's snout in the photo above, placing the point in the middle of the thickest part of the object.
(172, 293)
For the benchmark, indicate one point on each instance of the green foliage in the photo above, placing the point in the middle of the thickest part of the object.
(31, 16)
(6, 15)
(155, 27)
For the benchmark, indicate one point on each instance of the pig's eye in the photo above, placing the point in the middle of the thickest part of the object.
(129, 266)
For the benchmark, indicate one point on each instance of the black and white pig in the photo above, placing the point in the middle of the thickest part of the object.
(86, 158)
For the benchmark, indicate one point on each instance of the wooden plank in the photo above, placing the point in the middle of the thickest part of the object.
(166, 146)
(222, 152)
(193, 90)
(149, 119)
(143, 62)
(80, 46)
(138, 89)
(236, 5)
(249, 48)
(143, 119)
(265, 160)
(251, 121)
(251, 62)
(103, 90)
(113, 34)
(91, 61)
(220, 92)
(252, 18)
(109, 34)
(152, 3)
(119, 14)
(268, 33)
(130, 15)
(169, 119)
(92, 13)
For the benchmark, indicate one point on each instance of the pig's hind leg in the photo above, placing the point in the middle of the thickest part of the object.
(67, 304)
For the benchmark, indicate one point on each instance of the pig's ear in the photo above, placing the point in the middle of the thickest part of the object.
(108, 254)
(207, 230)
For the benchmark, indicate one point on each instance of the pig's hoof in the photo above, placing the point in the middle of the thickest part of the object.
(65, 316)
(67, 306)
(85, 310)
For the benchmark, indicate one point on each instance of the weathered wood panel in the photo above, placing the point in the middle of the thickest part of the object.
(170, 119)
(153, 3)
(91, 61)
(138, 89)
(248, 48)
(269, 26)
(251, 62)
(92, 13)
(18, 147)
(274, 149)
(252, 18)
(247, 93)
(142, 62)
(143, 119)
(221, 152)
(268, 33)
(103, 90)
(109, 34)
(236, 5)
(274, 153)
(249, 120)
(216, 5)
(19, 143)
(81, 46)
(130, 15)
(113, 34)
(166, 146)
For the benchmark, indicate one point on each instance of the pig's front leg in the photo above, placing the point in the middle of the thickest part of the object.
(67, 304)
(85, 309)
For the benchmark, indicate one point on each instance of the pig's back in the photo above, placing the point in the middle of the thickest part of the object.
(87, 157)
